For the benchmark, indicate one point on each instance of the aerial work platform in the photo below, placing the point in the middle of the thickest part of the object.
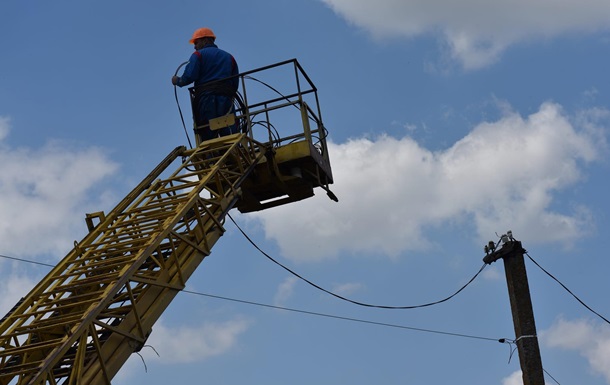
(98, 305)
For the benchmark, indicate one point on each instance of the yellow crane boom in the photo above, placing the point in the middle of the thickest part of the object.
(96, 307)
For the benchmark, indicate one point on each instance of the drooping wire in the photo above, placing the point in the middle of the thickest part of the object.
(341, 317)
(180, 109)
(568, 290)
(273, 89)
(512, 344)
(347, 299)
(351, 319)
(270, 128)
(142, 357)
(301, 311)
(280, 94)
(513, 348)
(549, 374)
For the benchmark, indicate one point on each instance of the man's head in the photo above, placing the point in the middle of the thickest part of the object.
(201, 37)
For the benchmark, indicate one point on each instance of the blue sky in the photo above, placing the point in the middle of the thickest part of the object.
(448, 124)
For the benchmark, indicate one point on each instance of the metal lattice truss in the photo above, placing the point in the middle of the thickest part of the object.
(98, 305)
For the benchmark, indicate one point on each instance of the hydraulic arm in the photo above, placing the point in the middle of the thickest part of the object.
(99, 304)
(81, 323)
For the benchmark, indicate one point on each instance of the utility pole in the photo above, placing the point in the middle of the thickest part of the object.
(526, 338)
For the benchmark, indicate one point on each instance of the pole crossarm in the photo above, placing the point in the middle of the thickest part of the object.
(508, 249)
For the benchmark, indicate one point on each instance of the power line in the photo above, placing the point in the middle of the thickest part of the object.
(549, 374)
(568, 290)
(383, 324)
(351, 319)
(27, 260)
(341, 317)
(325, 315)
(301, 311)
(347, 299)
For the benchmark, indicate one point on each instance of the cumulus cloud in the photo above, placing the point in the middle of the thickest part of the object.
(45, 193)
(347, 288)
(4, 127)
(475, 32)
(12, 288)
(284, 291)
(514, 379)
(590, 340)
(190, 344)
(501, 176)
(492, 273)
(181, 345)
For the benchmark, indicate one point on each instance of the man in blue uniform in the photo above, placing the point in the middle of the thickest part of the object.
(206, 66)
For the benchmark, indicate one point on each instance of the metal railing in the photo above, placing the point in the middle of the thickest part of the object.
(271, 99)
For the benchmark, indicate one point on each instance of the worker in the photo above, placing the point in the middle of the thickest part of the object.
(211, 98)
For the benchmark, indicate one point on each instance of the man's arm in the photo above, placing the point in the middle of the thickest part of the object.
(190, 71)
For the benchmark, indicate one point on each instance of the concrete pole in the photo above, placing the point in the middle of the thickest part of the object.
(522, 310)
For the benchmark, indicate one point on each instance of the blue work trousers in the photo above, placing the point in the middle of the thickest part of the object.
(213, 106)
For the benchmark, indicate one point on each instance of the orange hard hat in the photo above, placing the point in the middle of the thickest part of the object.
(202, 32)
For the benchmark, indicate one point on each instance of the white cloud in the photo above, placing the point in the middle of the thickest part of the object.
(4, 127)
(590, 340)
(180, 345)
(12, 288)
(347, 288)
(285, 290)
(501, 176)
(475, 32)
(194, 344)
(45, 193)
(492, 273)
(514, 379)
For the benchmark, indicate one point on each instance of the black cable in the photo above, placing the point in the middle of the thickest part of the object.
(27, 260)
(301, 311)
(318, 314)
(271, 87)
(270, 128)
(513, 348)
(239, 105)
(279, 93)
(549, 374)
(180, 109)
(341, 317)
(568, 290)
(347, 299)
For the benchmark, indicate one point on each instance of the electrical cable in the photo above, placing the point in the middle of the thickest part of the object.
(270, 128)
(27, 260)
(238, 100)
(271, 87)
(279, 93)
(513, 347)
(512, 343)
(568, 290)
(549, 374)
(325, 130)
(178, 104)
(318, 314)
(347, 299)
(341, 317)
(304, 311)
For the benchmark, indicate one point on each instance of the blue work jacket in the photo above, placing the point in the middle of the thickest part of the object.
(208, 64)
